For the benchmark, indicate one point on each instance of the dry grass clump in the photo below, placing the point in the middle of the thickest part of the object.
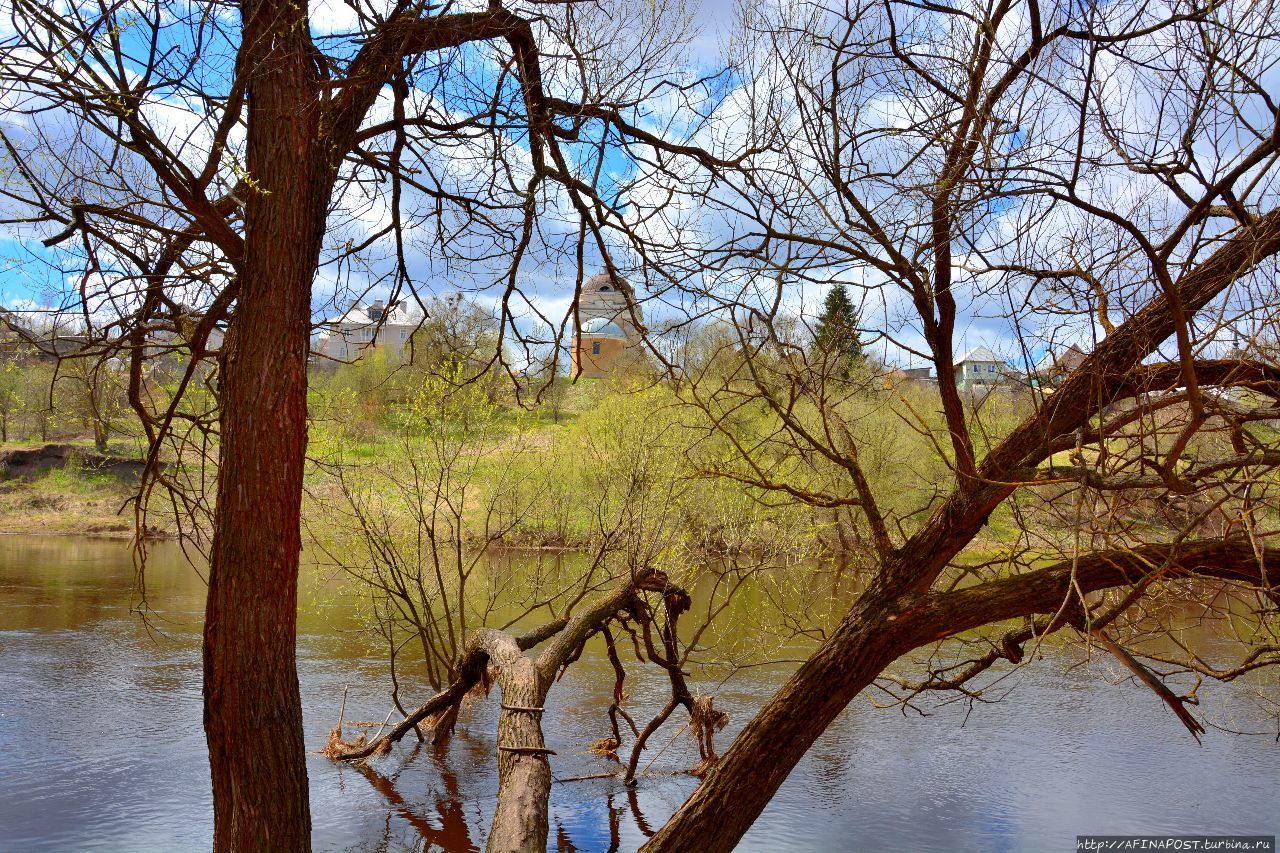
(608, 747)
(705, 720)
(337, 748)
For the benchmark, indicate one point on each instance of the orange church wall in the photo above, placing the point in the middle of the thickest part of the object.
(594, 366)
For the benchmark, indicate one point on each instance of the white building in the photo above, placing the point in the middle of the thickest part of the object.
(376, 324)
(981, 367)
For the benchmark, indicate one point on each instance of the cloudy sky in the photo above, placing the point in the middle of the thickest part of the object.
(669, 206)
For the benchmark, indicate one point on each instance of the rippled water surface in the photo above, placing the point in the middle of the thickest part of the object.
(101, 746)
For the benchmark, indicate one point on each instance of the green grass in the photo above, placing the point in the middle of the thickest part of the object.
(66, 501)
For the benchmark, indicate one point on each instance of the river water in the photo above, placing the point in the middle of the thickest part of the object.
(101, 746)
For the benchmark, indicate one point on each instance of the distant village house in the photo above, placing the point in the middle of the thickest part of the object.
(980, 367)
(1053, 368)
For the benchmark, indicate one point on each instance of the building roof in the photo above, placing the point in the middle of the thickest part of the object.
(980, 354)
(11, 326)
(370, 314)
(601, 327)
(1069, 357)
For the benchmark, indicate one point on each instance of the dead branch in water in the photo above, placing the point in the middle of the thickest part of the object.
(524, 772)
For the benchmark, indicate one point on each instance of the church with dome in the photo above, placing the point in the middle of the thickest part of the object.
(606, 333)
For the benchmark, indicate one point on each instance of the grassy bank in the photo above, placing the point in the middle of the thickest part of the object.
(605, 458)
(67, 501)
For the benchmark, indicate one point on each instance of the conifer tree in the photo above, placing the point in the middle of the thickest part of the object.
(836, 335)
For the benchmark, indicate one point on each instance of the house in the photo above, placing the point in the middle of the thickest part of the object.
(362, 326)
(980, 367)
(171, 347)
(607, 330)
(41, 335)
(15, 336)
(898, 377)
(1050, 370)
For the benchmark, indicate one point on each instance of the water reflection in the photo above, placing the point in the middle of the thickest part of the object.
(450, 830)
(101, 746)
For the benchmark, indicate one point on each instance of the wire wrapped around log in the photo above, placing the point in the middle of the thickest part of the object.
(528, 750)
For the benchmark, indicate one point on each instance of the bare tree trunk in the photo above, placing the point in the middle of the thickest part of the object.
(521, 821)
(524, 771)
(100, 433)
(253, 713)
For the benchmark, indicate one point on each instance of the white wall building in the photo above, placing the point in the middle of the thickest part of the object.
(375, 324)
(980, 367)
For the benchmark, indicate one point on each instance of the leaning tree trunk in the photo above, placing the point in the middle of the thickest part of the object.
(725, 805)
(520, 822)
(253, 713)
(872, 634)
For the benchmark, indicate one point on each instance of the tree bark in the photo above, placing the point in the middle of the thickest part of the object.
(253, 713)
(521, 822)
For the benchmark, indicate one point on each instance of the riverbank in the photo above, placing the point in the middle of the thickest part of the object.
(67, 502)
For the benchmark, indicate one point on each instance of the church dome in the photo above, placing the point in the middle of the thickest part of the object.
(602, 328)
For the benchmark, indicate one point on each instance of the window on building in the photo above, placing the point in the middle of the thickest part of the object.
(977, 368)
(991, 368)
(595, 347)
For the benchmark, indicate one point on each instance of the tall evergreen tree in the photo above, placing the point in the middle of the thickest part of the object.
(836, 335)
